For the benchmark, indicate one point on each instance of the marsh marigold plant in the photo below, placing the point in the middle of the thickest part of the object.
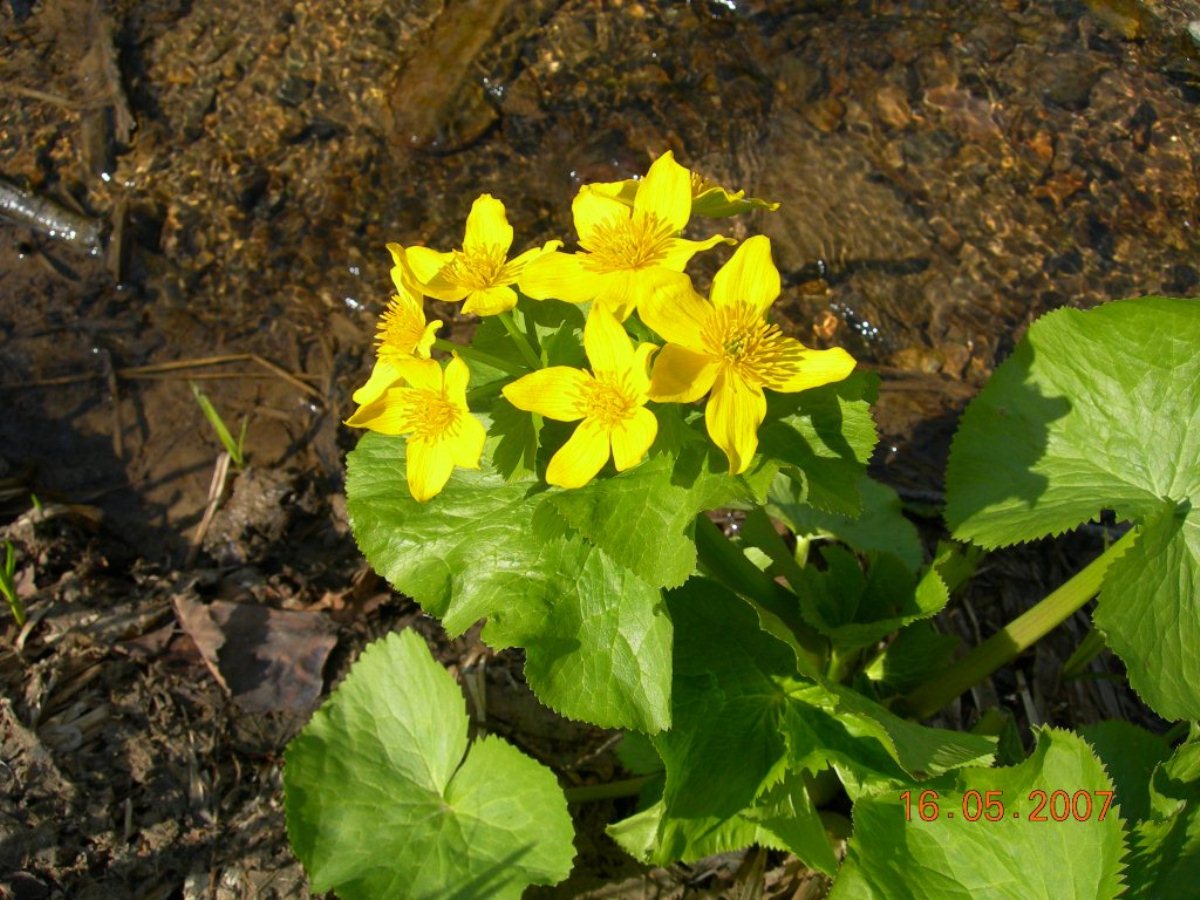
(551, 470)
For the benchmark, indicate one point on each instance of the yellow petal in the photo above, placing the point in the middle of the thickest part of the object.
(666, 191)
(444, 286)
(559, 276)
(428, 336)
(425, 374)
(623, 191)
(425, 263)
(455, 379)
(386, 374)
(466, 446)
(606, 343)
(734, 412)
(556, 392)
(591, 209)
(581, 457)
(676, 312)
(620, 291)
(639, 372)
(387, 415)
(632, 437)
(815, 368)
(402, 274)
(518, 263)
(679, 251)
(429, 466)
(750, 277)
(487, 226)
(681, 375)
(490, 301)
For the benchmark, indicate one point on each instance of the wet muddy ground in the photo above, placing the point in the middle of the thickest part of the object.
(948, 172)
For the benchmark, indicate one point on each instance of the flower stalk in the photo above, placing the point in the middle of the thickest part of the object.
(1020, 634)
(519, 339)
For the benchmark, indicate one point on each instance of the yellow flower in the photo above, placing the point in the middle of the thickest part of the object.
(402, 332)
(611, 401)
(432, 410)
(727, 346)
(708, 198)
(481, 272)
(628, 249)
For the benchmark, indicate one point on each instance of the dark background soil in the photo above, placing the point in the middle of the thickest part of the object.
(948, 172)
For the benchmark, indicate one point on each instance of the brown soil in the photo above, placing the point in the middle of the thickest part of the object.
(949, 171)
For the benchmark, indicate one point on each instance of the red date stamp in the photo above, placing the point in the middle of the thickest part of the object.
(989, 806)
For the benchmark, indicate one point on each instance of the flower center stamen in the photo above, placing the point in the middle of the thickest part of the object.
(400, 329)
(625, 243)
(430, 415)
(479, 269)
(608, 399)
(749, 345)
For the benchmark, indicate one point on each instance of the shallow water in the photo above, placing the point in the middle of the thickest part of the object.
(948, 171)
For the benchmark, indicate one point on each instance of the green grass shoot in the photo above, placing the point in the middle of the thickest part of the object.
(8, 585)
(232, 447)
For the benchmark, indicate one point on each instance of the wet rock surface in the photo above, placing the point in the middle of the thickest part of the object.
(948, 172)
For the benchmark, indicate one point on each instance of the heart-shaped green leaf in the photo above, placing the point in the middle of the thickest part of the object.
(385, 799)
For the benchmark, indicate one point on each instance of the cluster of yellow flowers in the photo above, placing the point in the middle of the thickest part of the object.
(631, 259)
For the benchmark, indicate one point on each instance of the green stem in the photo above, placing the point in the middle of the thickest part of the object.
(522, 342)
(1020, 634)
(609, 790)
(1089, 648)
(725, 561)
(467, 352)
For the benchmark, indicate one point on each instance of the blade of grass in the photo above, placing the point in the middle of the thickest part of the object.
(232, 447)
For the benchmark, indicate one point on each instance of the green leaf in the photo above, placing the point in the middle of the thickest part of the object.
(1165, 853)
(740, 708)
(597, 638)
(512, 441)
(1094, 410)
(824, 438)
(1130, 754)
(492, 339)
(382, 803)
(716, 202)
(1149, 611)
(642, 518)
(1013, 857)
(880, 527)
(554, 329)
(854, 609)
(783, 818)
(918, 652)
(1100, 410)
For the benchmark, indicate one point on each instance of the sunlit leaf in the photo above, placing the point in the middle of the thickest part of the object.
(895, 854)
(1101, 410)
(739, 707)
(385, 798)
(1165, 857)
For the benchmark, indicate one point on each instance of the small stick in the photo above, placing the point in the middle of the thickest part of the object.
(216, 490)
(34, 94)
(160, 370)
(115, 392)
(220, 360)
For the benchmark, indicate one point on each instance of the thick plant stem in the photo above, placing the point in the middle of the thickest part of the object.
(725, 562)
(609, 790)
(478, 356)
(520, 339)
(1020, 634)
